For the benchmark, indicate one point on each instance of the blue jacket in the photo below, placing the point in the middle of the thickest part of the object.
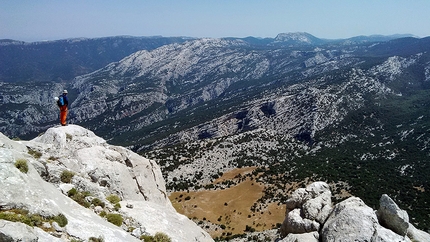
(66, 101)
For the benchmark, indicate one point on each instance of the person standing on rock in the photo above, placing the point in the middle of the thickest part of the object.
(63, 104)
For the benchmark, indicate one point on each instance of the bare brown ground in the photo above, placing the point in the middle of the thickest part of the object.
(230, 207)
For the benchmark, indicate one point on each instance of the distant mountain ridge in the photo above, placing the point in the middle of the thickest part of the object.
(62, 60)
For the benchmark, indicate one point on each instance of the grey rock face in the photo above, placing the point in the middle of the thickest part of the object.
(396, 219)
(306, 237)
(391, 216)
(294, 223)
(307, 209)
(353, 220)
(11, 232)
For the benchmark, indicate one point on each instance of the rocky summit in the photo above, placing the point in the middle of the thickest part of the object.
(70, 185)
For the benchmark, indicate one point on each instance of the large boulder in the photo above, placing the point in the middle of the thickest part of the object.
(396, 219)
(353, 220)
(391, 216)
(307, 209)
(103, 167)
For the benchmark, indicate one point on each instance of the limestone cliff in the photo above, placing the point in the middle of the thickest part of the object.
(72, 173)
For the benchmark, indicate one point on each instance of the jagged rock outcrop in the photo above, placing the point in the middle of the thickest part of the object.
(311, 217)
(396, 219)
(353, 220)
(307, 209)
(99, 170)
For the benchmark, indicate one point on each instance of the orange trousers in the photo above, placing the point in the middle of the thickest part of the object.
(63, 115)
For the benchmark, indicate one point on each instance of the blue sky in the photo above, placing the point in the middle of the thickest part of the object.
(36, 20)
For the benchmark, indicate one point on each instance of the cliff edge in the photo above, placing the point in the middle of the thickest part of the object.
(69, 184)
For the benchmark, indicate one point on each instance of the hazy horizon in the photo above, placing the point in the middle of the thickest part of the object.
(41, 20)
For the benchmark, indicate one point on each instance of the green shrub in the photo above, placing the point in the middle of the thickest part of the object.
(113, 199)
(79, 197)
(60, 219)
(66, 176)
(98, 202)
(72, 192)
(158, 237)
(161, 237)
(102, 214)
(114, 218)
(22, 215)
(36, 154)
(22, 165)
(117, 206)
(147, 238)
(94, 239)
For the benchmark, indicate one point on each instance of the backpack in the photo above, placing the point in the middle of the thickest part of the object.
(60, 101)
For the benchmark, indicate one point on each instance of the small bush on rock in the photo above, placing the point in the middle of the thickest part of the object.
(36, 154)
(161, 237)
(102, 214)
(79, 197)
(66, 176)
(61, 220)
(117, 206)
(113, 199)
(158, 237)
(22, 165)
(94, 239)
(72, 192)
(114, 218)
(98, 202)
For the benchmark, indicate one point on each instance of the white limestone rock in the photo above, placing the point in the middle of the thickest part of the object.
(353, 220)
(396, 219)
(156, 218)
(318, 208)
(10, 232)
(95, 163)
(295, 223)
(301, 195)
(306, 237)
(417, 235)
(307, 209)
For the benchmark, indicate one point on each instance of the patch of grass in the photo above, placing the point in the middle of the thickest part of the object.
(98, 202)
(113, 199)
(36, 154)
(103, 214)
(66, 176)
(158, 237)
(23, 216)
(117, 206)
(94, 239)
(22, 165)
(60, 219)
(52, 158)
(79, 197)
(114, 218)
(69, 137)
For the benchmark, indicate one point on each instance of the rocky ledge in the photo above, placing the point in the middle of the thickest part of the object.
(312, 217)
(70, 185)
